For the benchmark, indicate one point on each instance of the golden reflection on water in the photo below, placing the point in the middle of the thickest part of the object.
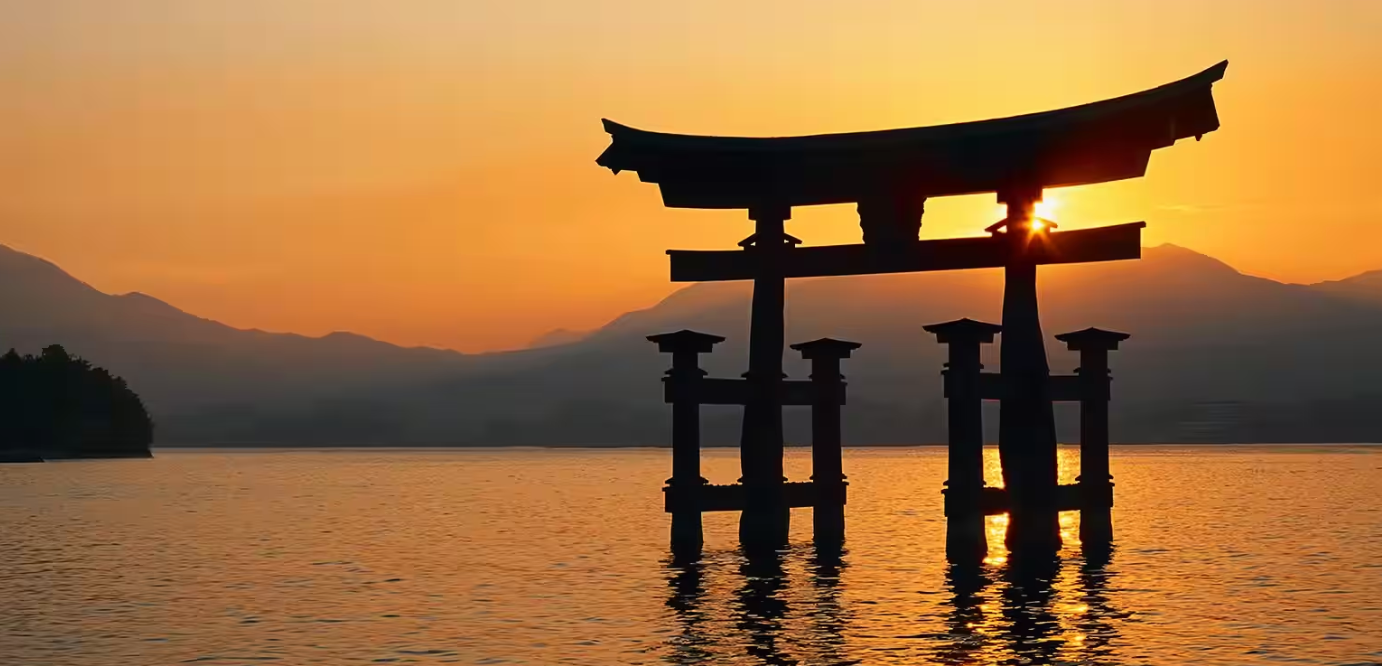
(996, 528)
(1006, 609)
(1067, 466)
(1223, 556)
(1003, 611)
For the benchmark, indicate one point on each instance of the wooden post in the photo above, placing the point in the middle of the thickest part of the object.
(965, 534)
(890, 220)
(1096, 484)
(1027, 425)
(827, 467)
(765, 519)
(682, 385)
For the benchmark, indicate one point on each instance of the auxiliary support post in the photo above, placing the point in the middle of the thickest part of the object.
(1096, 484)
(827, 471)
(683, 381)
(965, 538)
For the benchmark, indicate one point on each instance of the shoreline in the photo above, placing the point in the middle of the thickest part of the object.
(803, 447)
(25, 457)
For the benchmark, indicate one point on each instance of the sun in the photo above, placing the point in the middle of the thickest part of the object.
(1043, 213)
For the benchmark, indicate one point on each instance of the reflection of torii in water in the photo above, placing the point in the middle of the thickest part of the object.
(1036, 602)
(1022, 608)
(760, 608)
(889, 175)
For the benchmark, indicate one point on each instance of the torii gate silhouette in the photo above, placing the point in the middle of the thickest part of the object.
(889, 175)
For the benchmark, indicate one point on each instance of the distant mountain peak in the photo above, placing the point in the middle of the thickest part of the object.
(12, 260)
(1366, 287)
(346, 335)
(41, 278)
(10, 257)
(1373, 278)
(1186, 257)
(147, 303)
(557, 337)
(348, 338)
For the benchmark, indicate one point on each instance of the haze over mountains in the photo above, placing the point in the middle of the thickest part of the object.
(1215, 356)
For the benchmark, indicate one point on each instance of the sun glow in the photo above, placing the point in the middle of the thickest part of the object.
(1043, 213)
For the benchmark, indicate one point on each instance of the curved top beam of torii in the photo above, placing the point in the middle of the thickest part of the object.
(1093, 143)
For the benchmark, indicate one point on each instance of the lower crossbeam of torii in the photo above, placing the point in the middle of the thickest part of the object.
(889, 175)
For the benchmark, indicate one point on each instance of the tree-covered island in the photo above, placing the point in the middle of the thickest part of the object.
(55, 405)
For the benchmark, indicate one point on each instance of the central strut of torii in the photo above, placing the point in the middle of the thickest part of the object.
(889, 175)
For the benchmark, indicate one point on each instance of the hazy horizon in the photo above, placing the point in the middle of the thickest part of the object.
(570, 334)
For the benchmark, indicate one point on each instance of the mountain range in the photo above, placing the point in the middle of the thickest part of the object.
(1216, 356)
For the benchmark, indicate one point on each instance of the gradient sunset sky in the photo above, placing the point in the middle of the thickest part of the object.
(422, 171)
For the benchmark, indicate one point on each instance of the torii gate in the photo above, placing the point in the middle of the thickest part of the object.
(889, 175)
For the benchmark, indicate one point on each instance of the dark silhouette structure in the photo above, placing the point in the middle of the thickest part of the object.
(964, 493)
(59, 406)
(967, 498)
(1092, 380)
(763, 493)
(889, 175)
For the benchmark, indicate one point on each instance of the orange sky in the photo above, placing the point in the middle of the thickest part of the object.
(423, 171)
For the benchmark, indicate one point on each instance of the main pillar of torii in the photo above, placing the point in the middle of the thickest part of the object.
(1026, 420)
(766, 513)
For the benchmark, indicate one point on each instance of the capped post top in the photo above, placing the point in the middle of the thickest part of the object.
(1036, 224)
(826, 348)
(685, 341)
(963, 330)
(1092, 339)
(752, 240)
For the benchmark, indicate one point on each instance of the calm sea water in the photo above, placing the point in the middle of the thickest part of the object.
(1223, 556)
